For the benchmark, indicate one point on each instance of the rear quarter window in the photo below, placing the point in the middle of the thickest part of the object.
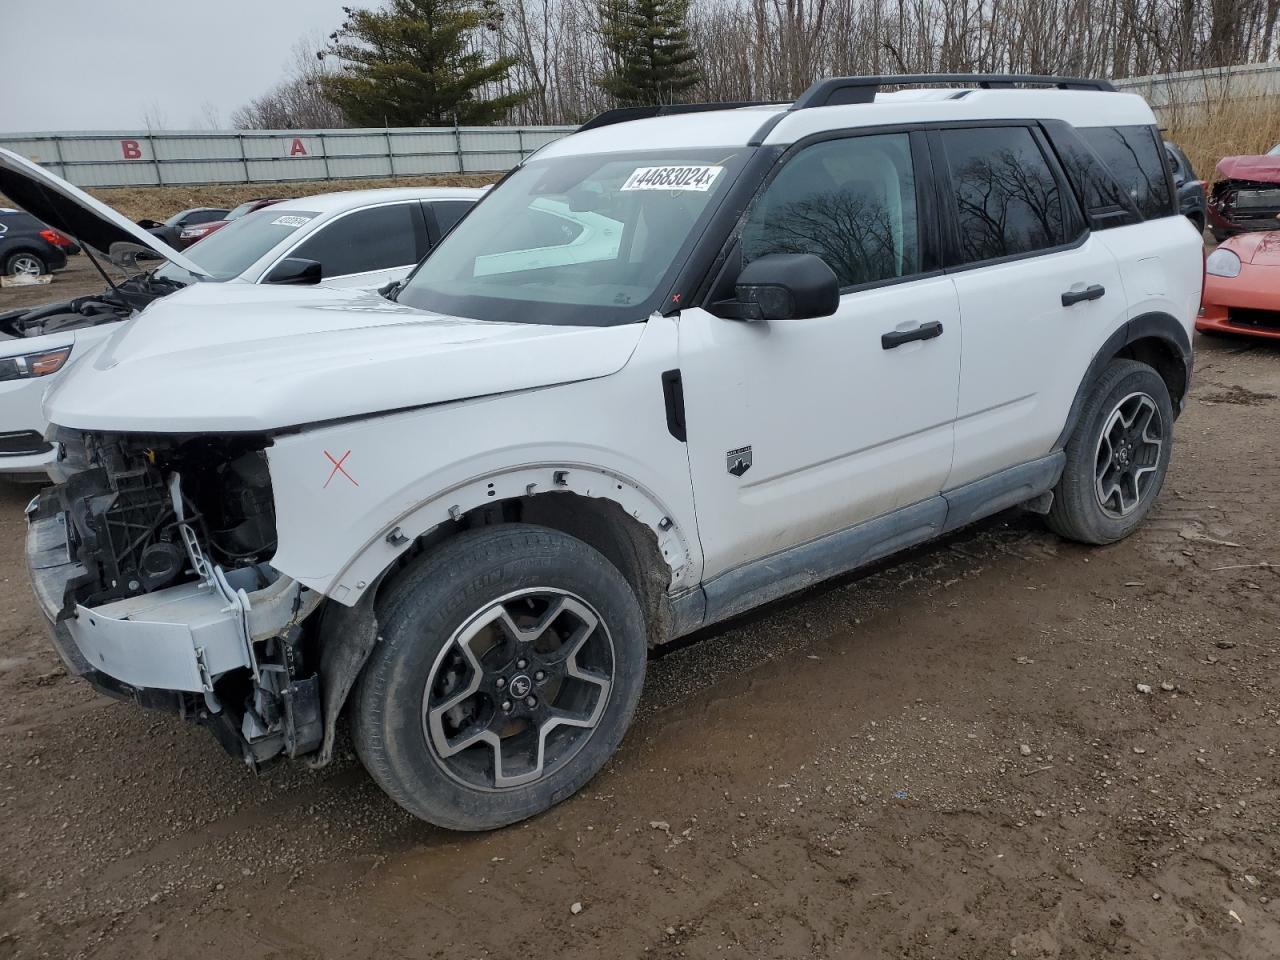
(1137, 160)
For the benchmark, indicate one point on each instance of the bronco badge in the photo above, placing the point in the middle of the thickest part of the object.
(738, 461)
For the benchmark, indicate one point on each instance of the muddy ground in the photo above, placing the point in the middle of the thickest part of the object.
(946, 758)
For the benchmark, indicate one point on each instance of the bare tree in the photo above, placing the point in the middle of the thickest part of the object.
(297, 102)
(772, 49)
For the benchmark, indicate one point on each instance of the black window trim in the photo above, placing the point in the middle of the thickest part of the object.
(1153, 131)
(728, 263)
(329, 221)
(1058, 133)
(1071, 211)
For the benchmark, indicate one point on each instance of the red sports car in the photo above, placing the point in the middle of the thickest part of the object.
(1242, 286)
(1246, 195)
(199, 231)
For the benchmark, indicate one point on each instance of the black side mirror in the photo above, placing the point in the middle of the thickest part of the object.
(389, 290)
(296, 270)
(783, 286)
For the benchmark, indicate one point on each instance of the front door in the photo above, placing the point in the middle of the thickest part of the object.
(801, 428)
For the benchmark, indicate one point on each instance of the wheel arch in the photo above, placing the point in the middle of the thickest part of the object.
(611, 512)
(616, 517)
(1156, 339)
(19, 249)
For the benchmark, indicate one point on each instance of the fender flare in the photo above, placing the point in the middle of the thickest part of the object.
(1157, 325)
(676, 541)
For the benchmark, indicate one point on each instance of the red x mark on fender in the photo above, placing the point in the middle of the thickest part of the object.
(337, 467)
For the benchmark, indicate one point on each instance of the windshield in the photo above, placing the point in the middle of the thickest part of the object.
(230, 252)
(583, 240)
(238, 212)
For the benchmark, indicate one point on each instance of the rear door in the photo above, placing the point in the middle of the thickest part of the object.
(442, 215)
(368, 248)
(1038, 293)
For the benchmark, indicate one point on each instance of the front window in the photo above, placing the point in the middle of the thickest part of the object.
(233, 249)
(585, 240)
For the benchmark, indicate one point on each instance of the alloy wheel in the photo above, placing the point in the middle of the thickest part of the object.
(26, 266)
(1128, 454)
(518, 689)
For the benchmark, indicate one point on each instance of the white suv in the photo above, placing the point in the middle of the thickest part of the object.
(666, 371)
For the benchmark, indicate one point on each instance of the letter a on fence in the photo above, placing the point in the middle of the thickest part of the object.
(298, 149)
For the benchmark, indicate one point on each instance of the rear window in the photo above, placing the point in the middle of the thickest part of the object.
(17, 222)
(1136, 158)
(1007, 201)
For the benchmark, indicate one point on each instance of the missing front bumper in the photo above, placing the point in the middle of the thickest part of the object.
(176, 639)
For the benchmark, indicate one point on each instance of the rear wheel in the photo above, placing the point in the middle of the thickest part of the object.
(25, 263)
(509, 665)
(1116, 458)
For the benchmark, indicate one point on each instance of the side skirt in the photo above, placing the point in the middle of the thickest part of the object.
(761, 581)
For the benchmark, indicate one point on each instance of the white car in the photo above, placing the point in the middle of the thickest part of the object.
(666, 371)
(360, 238)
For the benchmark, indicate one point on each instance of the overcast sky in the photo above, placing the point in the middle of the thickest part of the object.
(107, 64)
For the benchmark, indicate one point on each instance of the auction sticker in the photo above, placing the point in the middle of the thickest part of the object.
(698, 178)
(290, 221)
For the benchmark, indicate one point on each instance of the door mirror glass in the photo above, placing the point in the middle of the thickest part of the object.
(784, 286)
(296, 270)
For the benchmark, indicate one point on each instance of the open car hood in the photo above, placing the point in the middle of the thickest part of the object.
(231, 357)
(1261, 169)
(71, 211)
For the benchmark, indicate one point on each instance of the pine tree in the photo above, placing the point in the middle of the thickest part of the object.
(413, 64)
(653, 58)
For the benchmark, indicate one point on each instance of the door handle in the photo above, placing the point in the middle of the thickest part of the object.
(896, 338)
(1093, 292)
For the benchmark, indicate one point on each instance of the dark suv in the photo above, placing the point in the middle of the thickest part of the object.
(29, 247)
(1191, 198)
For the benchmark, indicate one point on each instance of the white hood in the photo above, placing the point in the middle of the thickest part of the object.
(70, 210)
(223, 358)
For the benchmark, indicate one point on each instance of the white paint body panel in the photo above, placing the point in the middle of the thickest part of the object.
(608, 435)
(270, 358)
(841, 429)
(1025, 353)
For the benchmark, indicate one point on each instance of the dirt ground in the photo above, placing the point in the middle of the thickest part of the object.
(947, 758)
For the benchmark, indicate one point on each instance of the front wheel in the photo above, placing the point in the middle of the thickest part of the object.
(1116, 458)
(509, 664)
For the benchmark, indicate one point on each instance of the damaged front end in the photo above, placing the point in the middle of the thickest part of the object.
(1246, 195)
(151, 560)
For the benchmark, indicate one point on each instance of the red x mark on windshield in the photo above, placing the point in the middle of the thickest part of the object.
(337, 467)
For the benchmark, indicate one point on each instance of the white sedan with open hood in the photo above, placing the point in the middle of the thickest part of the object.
(360, 239)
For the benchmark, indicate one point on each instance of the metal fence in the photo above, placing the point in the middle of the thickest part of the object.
(132, 158)
(1202, 89)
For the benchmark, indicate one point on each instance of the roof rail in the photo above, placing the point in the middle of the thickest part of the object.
(836, 91)
(623, 114)
(843, 90)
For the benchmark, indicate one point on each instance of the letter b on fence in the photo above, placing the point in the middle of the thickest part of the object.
(131, 149)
